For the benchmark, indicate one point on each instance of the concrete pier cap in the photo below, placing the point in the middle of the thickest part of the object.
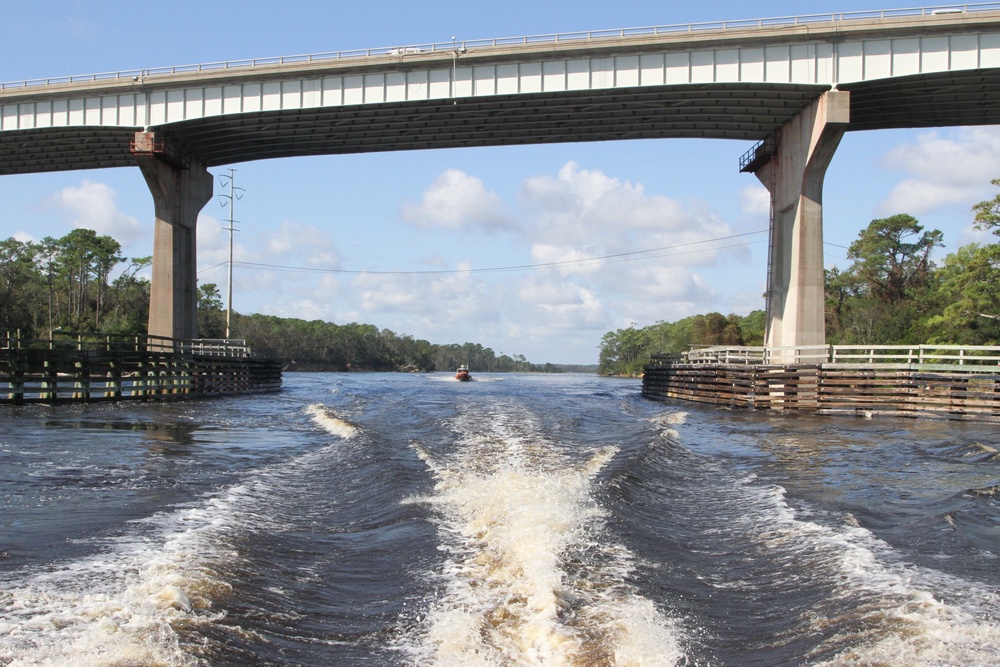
(794, 177)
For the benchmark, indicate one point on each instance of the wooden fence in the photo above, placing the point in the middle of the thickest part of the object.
(78, 368)
(949, 382)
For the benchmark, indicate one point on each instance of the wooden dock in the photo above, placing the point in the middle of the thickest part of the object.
(944, 382)
(109, 368)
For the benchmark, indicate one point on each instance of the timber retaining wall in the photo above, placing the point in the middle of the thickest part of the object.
(135, 372)
(956, 393)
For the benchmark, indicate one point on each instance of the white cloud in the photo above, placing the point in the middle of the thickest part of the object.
(572, 218)
(303, 309)
(755, 200)
(92, 206)
(281, 241)
(306, 243)
(456, 200)
(587, 197)
(443, 308)
(307, 296)
(547, 313)
(212, 237)
(947, 168)
(567, 260)
(668, 284)
(561, 305)
(916, 197)
(271, 290)
(213, 245)
(447, 298)
(584, 214)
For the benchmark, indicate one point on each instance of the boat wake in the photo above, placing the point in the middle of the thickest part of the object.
(821, 580)
(126, 606)
(144, 598)
(530, 576)
(330, 422)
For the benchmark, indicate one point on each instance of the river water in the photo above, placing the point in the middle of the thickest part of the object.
(388, 519)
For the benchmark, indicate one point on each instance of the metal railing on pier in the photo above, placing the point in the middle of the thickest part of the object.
(970, 358)
(66, 340)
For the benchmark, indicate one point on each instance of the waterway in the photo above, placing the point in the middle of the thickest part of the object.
(384, 519)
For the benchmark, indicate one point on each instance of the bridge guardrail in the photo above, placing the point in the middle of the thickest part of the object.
(465, 45)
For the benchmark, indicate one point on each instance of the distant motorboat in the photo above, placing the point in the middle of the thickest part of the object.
(462, 374)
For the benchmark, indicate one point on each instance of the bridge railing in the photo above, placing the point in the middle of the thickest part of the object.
(928, 356)
(456, 47)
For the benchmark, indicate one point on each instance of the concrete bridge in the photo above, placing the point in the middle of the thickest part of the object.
(792, 84)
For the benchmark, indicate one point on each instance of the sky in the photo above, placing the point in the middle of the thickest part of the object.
(480, 245)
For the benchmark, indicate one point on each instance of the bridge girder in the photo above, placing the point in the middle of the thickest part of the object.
(719, 111)
(731, 111)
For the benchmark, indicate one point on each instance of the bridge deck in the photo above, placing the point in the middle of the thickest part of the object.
(731, 80)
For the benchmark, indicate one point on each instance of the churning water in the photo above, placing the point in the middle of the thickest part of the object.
(514, 520)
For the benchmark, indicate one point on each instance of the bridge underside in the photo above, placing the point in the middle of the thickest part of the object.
(65, 149)
(734, 111)
(969, 97)
(717, 111)
(731, 112)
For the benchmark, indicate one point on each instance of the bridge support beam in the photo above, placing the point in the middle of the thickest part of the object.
(794, 177)
(179, 192)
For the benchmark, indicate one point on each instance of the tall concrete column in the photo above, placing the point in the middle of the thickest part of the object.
(805, 145)
(179, 192)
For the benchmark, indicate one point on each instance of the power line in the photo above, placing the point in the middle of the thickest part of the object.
(212, 268)
(624, 256)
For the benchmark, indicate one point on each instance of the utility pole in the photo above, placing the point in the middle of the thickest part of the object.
(230, 200)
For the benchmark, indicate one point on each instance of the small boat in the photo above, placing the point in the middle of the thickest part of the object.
(462, 374)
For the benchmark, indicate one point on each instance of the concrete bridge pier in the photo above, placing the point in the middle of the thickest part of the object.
(794, 176)
(180, 189)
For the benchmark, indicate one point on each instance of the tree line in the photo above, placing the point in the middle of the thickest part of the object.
(56, 286)
(892, 293)
(316, 345)
(64, 284)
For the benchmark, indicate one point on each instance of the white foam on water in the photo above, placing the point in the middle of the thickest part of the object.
(928, 634)
(528, 577)
(890, 612)
(131, 603)
(123, 607)
(330, 422)
(665, 421)
(677, 418)
(909, 623)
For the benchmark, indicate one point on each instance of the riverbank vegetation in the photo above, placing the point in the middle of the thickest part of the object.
(64, 285)
(323, 346)
(891, 293)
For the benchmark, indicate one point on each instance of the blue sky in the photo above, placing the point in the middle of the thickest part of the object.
(454, 213)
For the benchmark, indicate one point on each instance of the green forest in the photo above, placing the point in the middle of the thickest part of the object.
(892, 293)
(60, 287)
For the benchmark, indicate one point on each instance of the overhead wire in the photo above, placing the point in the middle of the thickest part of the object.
(619, 257)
